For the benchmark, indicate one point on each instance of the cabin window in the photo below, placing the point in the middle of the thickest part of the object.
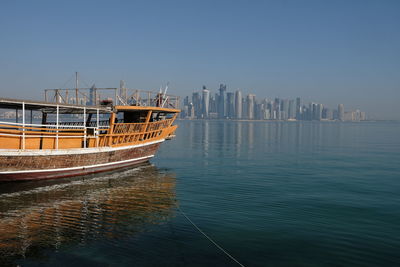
(159, 116)
(133, 116)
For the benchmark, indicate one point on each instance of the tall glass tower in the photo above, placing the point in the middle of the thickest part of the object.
(205, 103)
(238, 104)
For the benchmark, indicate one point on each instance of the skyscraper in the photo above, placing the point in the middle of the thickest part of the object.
(205, 102)
(250, 106)
(230, 105)
(341, 112)
(318, 111)
(186, 101)
(311, 111)
(196, 100)
(284, 109)
(191, 114)
(298, 108)
(292, 111)
(327, 114)
(277, 109)
(221, 101)
(238, 105)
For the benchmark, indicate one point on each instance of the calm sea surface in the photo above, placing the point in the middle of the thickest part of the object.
(270, 194)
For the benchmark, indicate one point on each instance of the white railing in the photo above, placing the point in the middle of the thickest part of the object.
(56, 129)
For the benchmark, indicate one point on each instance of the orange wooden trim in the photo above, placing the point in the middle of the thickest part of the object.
(148, 116)
(111, 130)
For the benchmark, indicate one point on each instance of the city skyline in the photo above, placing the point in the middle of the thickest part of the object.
(232, 105)
(335, 52)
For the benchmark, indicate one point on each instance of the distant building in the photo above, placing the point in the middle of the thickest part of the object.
(191, 112)
(292, 110)
(318, 112)
(327, 114)
(238, 105)
(277, 109)
(230, 105)
(349, 116)
(363, 117)
(341, 112)
(196, 101)
(212, 105)
(221, 101)
(284, 109)
(186, 101)
(298, 108)
(184, 112)
(205, 102)
(250, 106)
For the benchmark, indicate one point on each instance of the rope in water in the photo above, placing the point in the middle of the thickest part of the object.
(209, 238)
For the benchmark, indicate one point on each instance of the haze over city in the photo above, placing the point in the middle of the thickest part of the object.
(323, 51)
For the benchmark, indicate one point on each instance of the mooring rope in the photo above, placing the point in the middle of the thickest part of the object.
(209, 238)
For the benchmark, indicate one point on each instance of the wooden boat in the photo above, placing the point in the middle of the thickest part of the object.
(81, 134)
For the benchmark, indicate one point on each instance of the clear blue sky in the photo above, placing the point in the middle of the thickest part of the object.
(324, 51)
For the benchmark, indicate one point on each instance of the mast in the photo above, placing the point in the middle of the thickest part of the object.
(76, 88)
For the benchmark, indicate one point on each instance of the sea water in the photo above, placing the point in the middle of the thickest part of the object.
(268, 193)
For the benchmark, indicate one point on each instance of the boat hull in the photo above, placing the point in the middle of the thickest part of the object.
(37, 165)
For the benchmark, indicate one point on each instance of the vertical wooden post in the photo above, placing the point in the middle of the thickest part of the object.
(23, 125)
(84, 127)
(111, 130)
(97, 127)
(57, 121)
(173, 119)
(44, 119)
(76, 88)
(146, 125)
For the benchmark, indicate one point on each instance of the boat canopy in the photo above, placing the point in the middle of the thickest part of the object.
(47, 107)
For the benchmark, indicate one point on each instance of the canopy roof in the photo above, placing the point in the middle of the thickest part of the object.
(47, 107)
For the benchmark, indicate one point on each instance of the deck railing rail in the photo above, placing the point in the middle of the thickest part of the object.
(121, 133)
(55, 130)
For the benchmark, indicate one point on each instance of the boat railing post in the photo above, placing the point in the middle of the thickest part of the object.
(146, 125)
(111, 129)
(57, 122)
(84, 127)
(97, 128)
(23, 125)
(76, 89)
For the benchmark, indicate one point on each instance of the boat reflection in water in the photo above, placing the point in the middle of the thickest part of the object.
(50, 214)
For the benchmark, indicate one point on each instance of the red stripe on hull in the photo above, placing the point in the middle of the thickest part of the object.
(65, 173)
